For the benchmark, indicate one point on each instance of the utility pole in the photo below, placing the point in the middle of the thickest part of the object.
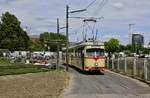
(67, 35)
(130, 33)
(58, 46)
(67, 38)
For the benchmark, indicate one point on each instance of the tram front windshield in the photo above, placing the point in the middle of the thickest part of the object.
(94, 52)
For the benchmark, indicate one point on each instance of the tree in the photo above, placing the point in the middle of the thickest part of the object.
(51, 39)
(134, 48)
(146, 50)
(122, 48)
(12, 36)
(35, 46)
(112, 46)
(130, 48)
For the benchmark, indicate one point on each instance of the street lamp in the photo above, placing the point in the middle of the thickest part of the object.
(77, 11)
(67, 35)
(61, 28)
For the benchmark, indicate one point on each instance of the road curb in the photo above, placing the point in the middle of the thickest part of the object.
(68, 87)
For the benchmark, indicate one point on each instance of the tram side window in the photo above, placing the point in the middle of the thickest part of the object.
(95, 52)
(78, 54)
(72, 55)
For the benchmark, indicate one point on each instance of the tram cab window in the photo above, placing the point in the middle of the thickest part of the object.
(95, 52)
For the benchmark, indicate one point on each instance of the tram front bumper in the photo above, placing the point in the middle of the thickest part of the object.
(94, 68)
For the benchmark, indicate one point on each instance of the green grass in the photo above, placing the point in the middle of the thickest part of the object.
(4, 62)
(7, 68)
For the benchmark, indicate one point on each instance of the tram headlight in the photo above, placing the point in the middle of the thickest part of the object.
(96, 64)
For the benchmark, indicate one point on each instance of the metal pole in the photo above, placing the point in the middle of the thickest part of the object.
(67, 37)
(57, 44)
(108, 63)
(129, 34)
(112, 63)
(118, 65)
(125, 65)
(145, 69)
(134, 68)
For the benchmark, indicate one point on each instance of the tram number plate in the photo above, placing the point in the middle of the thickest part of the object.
(95, 46)
(95, 43)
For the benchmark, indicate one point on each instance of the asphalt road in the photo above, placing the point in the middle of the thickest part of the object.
(107, 85)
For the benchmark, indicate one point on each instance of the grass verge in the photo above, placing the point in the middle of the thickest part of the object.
(7, 68)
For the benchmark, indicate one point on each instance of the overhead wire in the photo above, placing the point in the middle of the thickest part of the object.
(83, 32)
(97, 11)
(74, 31)
(90, 4)
(77, 33)
(100, 7)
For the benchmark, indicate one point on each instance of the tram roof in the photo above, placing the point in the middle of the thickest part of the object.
(88, 43)
(83, 44)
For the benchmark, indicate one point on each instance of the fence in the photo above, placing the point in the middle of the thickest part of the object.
(136, 67)
(148, 71)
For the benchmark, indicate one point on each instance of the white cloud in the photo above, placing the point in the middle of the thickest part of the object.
(119, 5)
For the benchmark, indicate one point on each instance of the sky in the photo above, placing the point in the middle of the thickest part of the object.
(40, 16)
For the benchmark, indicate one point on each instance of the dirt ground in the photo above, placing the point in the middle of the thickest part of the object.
(37, 85)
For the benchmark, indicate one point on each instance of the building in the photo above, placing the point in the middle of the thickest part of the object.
(137, 39)
(35, 38)
(147, 46)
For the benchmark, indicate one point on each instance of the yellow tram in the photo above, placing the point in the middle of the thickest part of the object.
(88, 56)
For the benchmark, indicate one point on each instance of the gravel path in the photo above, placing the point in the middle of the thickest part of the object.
(37, 85)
